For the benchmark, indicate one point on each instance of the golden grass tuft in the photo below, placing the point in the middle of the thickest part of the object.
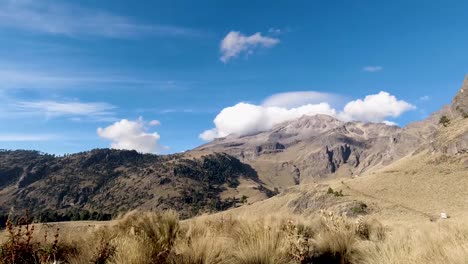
(145, 237)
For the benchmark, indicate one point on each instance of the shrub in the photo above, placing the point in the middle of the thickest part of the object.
(154, 233)
(104, 252)
(259, 244)
(444, 120)
(336, 193)
(360, 208)
(23, 246)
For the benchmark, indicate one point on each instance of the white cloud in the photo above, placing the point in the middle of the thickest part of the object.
(375, 108)
(295, 99)
(209, 134)
(154, 123)
(372, 68)
(21, 77)
(276, 31)
(56, 17)
(133, 135)
(246, 119)
(56, 109)
(425, 98)
(389, 123)
(235, 43)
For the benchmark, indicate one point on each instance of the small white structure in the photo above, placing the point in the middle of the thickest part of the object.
(443, 215)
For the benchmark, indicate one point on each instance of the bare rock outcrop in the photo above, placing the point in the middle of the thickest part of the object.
(460, 101)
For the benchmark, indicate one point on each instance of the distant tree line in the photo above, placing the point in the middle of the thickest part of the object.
(53, 216)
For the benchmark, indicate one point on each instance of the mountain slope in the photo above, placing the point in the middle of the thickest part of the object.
(428, 176)
(312, 148)
(373, 164)
(116, 181)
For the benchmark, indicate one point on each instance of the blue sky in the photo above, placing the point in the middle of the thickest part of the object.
(68, 68)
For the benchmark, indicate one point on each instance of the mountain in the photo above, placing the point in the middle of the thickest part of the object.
(312, 148)
(116, 181)
(318, 147)
(315, 152)
(420, 171)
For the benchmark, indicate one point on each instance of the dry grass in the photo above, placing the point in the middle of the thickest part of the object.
(431, 243)
(139, 238)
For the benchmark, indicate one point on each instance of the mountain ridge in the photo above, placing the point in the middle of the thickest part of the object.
(227, 172)
(116, 181)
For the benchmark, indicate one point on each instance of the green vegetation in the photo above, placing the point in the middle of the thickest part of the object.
(336, 193)
(444, 120)
(359, 209)
(244, 199)
(53, 216)
(101, 183)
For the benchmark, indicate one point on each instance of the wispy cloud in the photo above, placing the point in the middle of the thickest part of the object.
(164, 111)
(26, 78)
(235, 43)
(425, 98)
(67, 108)
(58, 18)
(71, 108)
(13, 108)
(372, 68)
(27, 137)
(275, 31)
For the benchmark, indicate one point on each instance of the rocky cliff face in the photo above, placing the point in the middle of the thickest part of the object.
(315, 147)
(460, 101)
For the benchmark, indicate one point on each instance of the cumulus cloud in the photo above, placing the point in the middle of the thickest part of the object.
(295, 99)
(235, 43)
(375, 108)
(133, 135)
(246, 119)
(372, 68)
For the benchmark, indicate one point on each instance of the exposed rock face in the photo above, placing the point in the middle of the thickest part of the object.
(453, 139)
(460, 101)
(315, 147)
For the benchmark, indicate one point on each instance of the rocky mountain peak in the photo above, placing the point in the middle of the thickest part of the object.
(309, 125)
(460, 101)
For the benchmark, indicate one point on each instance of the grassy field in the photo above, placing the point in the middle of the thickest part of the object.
(162, 238)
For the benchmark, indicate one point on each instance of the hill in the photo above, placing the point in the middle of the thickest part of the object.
(116, 181)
